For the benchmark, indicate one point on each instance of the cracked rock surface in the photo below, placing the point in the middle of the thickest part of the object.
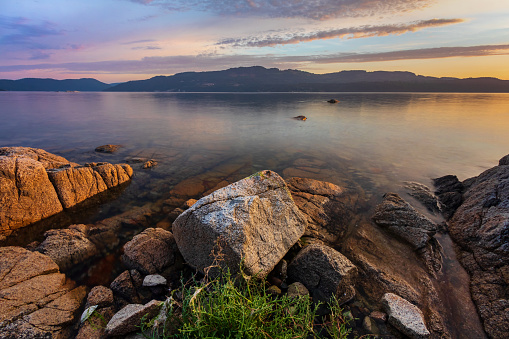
(35, 184)
(36, 300)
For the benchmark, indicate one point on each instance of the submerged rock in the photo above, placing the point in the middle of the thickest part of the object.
(329, 209)
(300, 117)
(35, 184)
(423, 194)
(36, 300)
(107, 148)
(67, 247)
(253, 220)
(480, 228)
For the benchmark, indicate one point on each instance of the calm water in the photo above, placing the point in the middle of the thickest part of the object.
(373, 141)
(385, 137)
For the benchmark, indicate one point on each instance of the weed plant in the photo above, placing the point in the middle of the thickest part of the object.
(240, 307)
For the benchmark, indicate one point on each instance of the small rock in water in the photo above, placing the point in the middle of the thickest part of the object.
(300, 117)
(149, 164)
(107, 148)
(135, 160)
(333, 101)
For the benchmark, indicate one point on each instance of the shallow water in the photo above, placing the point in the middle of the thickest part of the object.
(373, 141)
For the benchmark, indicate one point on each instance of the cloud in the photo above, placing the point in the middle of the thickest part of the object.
(23, 31)
(138, 42)
(315, 9)
(148, 48)
(174, 64)
(350, 33)
(423, 53)
(38, 55)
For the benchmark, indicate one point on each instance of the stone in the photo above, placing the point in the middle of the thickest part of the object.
(114, 175)
(401, 219)
(325, 272)
(35, 185)
(300, 117)
(190, 203)
(329, 209)
(76, 184)
(154, 280)
(26, 193)
(332, 101)
(101, 296)
(386, 264)
(128, 319)
(149, 164)
(123, 287)
(370, 326)
(297, 289)
(274, 290)
(504, 161)
(253, 221)
(151, 251)
(405, 316)
(107, 148)
(95, 325)
(480, 229)
(67, 247)
(379, 317)
(406, 223)
(36, 300)
(423, 194)
(48, 160)
(449, 192)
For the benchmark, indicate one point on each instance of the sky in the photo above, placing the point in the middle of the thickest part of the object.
(121, 40)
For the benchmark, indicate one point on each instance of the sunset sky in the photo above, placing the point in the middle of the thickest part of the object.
(120, 40)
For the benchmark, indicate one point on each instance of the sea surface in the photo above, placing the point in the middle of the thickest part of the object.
(386, 138)
(374, 142)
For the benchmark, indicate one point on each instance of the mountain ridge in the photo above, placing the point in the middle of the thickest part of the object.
(47, 84)
(261, 79)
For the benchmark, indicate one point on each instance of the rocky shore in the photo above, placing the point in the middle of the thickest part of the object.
(384, 266)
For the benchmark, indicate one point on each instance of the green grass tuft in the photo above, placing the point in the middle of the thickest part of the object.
(240, 307)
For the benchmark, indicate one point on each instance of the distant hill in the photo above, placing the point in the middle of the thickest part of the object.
(260, 79)
(35, 84)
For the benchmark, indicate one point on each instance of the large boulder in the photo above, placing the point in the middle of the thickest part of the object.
(26, 193)
(36, 300)
(480, 228)
(254, 221)
(325, 272)
(35, 184)
(405, 316)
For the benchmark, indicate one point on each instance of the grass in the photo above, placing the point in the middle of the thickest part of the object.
(240, 307)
